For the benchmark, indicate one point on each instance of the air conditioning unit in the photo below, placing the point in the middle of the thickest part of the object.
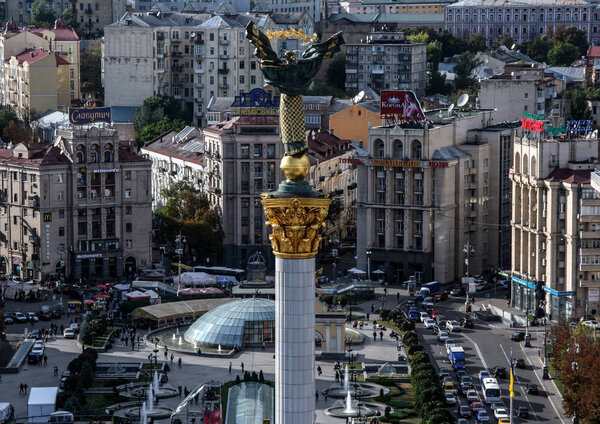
(543, 262)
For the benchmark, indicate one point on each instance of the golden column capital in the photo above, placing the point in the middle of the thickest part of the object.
(296, 224)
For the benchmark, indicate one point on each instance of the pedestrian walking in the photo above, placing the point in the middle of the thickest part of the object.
(381, 335)
(179, 388)
(263, 346)
(398, 296)
(55, 368)
(199, 352)
(172, 357)
(45, 360)
(230, 364)
(316, 395)
(319, 370)
(242, 367)
(325, 396)
(166, 354)
(21, 388)
(25, 387)
(337, 376)
(372, 308)
(179, 362)
(375, 336)
(368, 317)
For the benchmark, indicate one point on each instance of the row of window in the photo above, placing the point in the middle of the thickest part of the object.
(257, 151)
(517, 17)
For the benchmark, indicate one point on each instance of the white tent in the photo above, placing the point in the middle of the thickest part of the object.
(378, 271)
(152, 294)
(136, 294)
(193, 279)
(356, 271)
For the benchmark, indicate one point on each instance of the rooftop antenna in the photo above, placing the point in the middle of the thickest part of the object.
(358, 98)
(513, 46)
(462, 100)
(450, 109)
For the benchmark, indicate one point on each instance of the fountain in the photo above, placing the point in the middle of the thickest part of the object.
(346, 380)
(155, 381)
(349, 410)
(219, 349)
(150, 401)
(177, 331)
(195, 345)
(180, 340)
(143, 414)
(173, 336)
(358, 390)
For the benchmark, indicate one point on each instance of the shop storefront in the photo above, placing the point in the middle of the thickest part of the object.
(561, 303)
(524, 295)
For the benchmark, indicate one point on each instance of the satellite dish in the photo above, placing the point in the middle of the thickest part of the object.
(359, 97)
(450, 109)
(193, 34)
(513, 46)
(462, 100)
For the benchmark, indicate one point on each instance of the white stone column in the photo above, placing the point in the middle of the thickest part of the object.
(294, 341)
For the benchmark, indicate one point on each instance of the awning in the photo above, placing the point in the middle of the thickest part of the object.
(355, 271)
(183, 266)
(136, 294)
(378, 271)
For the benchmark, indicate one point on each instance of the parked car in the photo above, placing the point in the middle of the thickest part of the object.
(75, 327)
(532, 389)
(31, 316)
(19, 317)
(8, 320)
(69, 333)
(63, 378)
(45, 315)
(402, 358)
(35, 334)
(520, 363)
(56, 313)
(499, 372)
(36, 354)
(458, 291)
(467, 322)
(517, 336)
(453, 326)
(481, 286)
(429, 323)
(523, 412)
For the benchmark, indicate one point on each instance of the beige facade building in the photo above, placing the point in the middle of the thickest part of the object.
(190, 57)
(241, 161)
(79, 208)
(555, 225)
(425, 193)
(40, 69)
(386, 61)
(92, 16)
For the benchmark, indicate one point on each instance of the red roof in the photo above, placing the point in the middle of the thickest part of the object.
(34, 55)
(60, 34)
(571, 176)
(49, 155)
(593, 51)
(324, 145)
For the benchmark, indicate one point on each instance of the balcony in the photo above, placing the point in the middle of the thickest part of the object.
(199, 99)
(175, 40)
(88, 11)
(223, 42)
(199, 85)
(351, 70)
(160, 70)
(224, 57)
(223, 71)
(198, 71)
(199, 114)
(224, 85)
(377, 69)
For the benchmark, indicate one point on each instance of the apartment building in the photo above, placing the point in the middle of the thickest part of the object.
(424, 192)
(241, 161)
(79, 208)
(92, 16)
(521, 89)
(555, 224)
(190, 57)
(388, 6)
(523, 20)
(147, 5)
(386, 61)
(312, 7)
(40, 69)
(176, 156)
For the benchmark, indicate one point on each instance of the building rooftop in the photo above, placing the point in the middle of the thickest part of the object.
(186, 145)
(507, 55)
(566, 175)
(223, 19)
(517, 3)
(323, 145)
(35, 55)
(389, 18)
(287, 18)
(400, 2)
(39, 155)
(593, 51)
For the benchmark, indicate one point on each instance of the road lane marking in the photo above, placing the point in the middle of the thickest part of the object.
(524, 391)
(542, 385)
(478, 351)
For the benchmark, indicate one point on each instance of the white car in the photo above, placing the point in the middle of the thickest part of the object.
(427, 302)
(592, 324)
(38, 344)
(423, 316)
(472, 396)
(448, 344)
(480, 286)
(443, 336)
(429, 323)
(74, 327)
(38, 350)
(450, 398)
(69, 333)
(500, 413)
(453, 326)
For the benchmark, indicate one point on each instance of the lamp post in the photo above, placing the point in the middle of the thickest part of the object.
(162, 261)
(469, 251)
(179, 246)
(368, 252)
(61, 251)
(334, 253)
(545, 374)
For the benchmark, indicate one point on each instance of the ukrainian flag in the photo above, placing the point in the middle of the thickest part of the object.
(512, 379)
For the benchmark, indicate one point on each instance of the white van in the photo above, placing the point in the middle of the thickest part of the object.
(7, 412)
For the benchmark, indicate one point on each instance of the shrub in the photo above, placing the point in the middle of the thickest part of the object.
(419, 358)
(400, 404)
(385, 314)
(261, 377)
(387, 411)
(410, 338)
(407, 325)
(237, 379)
(414, 349)
(72, 405)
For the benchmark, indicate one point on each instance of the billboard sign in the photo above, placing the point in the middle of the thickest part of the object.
(257, 102)
(580, 126)
(89, 115)
(532, 122)
(593, 294)
(401, 105)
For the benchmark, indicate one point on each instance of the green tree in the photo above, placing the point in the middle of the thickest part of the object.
(70, 17)
(434, 54)
(506, 41)
(42, 15)
(17, 132)
(452, 45)
(156, 108)
(419, 37)
(574, 36)
(538, 49)
(579, 105)
(477, 43)
(328, 90)
(437, 84)
(91, 68)
(151, 131)
(174, 189)
(563, 54)
(190, 213)
(464, 71)
(6, 117)
(336, 73)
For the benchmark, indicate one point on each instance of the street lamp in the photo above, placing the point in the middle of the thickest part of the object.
(180, 242)
(469, 251)
(61, 251)
(369, 263)
(334, 253)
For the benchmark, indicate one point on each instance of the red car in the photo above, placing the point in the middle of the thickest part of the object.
(435, 313)
(477, 406)
(440, 296)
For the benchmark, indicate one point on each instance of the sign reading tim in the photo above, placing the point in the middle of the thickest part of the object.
(87, 115)
(257, 102)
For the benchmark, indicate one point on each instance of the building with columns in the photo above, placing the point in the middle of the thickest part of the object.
(425, 191)
(555, 224)
(80, 207)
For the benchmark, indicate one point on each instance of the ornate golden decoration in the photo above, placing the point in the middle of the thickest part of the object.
(298, 34)
(296, 224)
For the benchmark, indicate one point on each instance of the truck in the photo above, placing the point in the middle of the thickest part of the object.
(41, 404)
(427, 289)
(457, 357)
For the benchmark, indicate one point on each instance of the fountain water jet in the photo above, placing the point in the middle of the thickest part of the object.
(150, 399)
(180, 340)
(155, 380)
(349, 409)
(173, 336)
(346, 381)
(219, 349)
(143, 414)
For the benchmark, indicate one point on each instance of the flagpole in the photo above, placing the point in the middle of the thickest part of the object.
(511, 388)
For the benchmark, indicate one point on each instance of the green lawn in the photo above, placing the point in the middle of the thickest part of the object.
(559, 384)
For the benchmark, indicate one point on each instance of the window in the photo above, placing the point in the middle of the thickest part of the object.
(15, 220)
(61, 231)
(245, 203)
(15, 176)
(61, 213)
(127, 210)
(245, 150)
(128, 227)
(24, 177)
(60, 178)
(61, 195)
(128, 175)
(128, 244)
(128, 193)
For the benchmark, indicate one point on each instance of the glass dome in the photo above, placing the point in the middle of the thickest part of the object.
(243, 322)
